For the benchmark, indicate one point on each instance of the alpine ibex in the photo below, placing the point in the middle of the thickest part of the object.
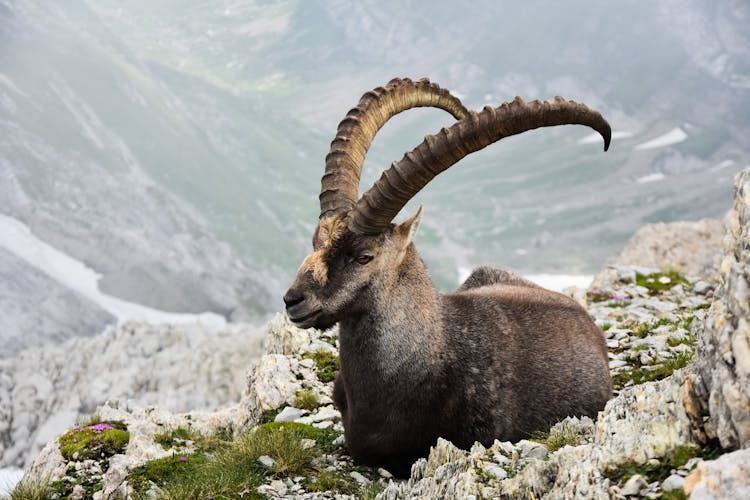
(499, 358)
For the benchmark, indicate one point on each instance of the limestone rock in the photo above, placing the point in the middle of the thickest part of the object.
(719, 384)
(693, 248)
(726, 478)
(177, 367)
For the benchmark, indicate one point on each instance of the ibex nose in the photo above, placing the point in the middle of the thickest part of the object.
(292, 298)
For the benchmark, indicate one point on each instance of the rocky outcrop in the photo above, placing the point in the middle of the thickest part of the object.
(177, 367)
(720, 379)
(693, 247)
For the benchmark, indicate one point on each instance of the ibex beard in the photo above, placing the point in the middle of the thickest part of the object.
(500, 358)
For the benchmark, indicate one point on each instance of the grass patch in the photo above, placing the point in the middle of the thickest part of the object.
(339, 481)
(95, 441)
(675, 341)
(326, 362)
(306, 399)
(93, 419)
(371, 491)
(33, 488)
(659, 472)
(233, 467)
(658, 283)
(648, 373)
(179, 437)
(606, 326)
(558, 437)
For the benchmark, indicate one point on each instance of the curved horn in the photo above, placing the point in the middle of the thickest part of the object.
(340, 183)
(380, 204)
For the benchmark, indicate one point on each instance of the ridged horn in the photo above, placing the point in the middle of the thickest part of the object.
(397, 185)
(340, 183)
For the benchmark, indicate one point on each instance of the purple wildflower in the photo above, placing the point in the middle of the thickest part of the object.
(78, 428)
(244, 492)
(98, 428)
(183, 459)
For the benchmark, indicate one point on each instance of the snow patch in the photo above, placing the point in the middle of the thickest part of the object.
(722, 165)
(595, 137)
(17, 238)
(650, 178)
(674, 136)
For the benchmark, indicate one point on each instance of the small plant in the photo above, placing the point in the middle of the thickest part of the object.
(93, 419)
(270, 415)
(558, 437)
(306, 399)
(606, 326)
(95, 441)
(326, 362)
(33, 488)
(658, 283)
(660, 471)
(675, 341)
(595, 295)
(338, 481)
(179, 437)
(647, 373)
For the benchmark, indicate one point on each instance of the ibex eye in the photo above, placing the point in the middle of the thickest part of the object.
(363, 259)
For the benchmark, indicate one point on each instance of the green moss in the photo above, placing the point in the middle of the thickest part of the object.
(36, 488)
(326, 362)
(83, 443)
(306, 399)
(658, 283)
(606, 326)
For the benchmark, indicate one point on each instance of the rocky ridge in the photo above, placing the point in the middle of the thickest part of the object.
(177, 367)
(678, 356)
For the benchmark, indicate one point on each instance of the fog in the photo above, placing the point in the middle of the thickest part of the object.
(176, 147)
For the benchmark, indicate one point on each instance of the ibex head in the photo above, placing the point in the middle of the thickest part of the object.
(356, 247)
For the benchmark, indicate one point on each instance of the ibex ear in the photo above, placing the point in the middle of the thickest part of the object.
(409, 228)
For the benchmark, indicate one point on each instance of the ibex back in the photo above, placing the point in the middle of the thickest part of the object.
(500, 358)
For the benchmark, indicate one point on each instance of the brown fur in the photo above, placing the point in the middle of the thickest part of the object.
(500, 358)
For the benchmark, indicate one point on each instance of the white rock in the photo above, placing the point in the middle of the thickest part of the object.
(633, 486)
(361, 480)
(289, 414)
(266, 461)
(326, 413)
(384, 473)
(617, 363)
(495, 470)
(325, 424)
(673, 482)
